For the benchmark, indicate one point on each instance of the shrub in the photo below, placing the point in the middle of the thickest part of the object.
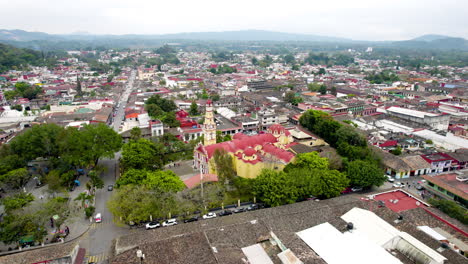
(452, 209)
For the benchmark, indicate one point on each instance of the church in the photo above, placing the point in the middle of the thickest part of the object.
(250, 154)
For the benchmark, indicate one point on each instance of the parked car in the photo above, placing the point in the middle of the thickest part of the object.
(398, 185)
(209, 215)
(170, 222)
(356, 189)
(239, 210)
(390, 178)
(253, 207)
(347, 190)
(192, 219)
(110, 188)
(152, 225)
(419, 187)
(225, 212)
(98, 218)
(312, 198)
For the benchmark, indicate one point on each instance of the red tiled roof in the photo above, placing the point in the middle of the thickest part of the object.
(241, 142)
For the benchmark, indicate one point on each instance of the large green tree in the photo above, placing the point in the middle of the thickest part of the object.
(224, 166)
(141, 154)
(365, 173)
(310, 160)
(134, 203)
(328, 183)
(16, 178)
(274, 188)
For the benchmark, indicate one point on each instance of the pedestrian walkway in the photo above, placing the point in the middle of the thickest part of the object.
(103, 223)
(97, 258)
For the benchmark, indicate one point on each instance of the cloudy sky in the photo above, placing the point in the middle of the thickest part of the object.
(355, 19)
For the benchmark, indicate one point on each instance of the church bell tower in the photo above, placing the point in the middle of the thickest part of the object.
(209, 126)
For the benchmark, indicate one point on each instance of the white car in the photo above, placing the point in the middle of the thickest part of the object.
(209, 216)
(398, 185)
(170, 222)
(152, 225)
(98, 218)
(390, 178)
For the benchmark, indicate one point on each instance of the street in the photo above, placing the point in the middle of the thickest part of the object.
(100, 235)
(120, 112)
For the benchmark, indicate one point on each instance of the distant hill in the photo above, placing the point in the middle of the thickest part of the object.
(241, 35)
(21, 35)
(429, 37)
(40, 40)
(433, 42)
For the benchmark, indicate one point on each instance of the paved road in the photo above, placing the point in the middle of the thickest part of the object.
(120, 112)
(99, 238)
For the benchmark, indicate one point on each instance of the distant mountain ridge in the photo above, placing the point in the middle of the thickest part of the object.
(29, 39)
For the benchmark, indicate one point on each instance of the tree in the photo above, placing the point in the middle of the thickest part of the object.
(95, 179)
(365, 173)
(16, 178)
(323, 89)
(140, 154)
(79, 91)
(132, 176)
(54, 181)
(135, 133)
(328, 183)
(165, 181)
(254, 61)
(321, 71)
(333, 91)
(154, 111)
(133, 203)
(193, 109)
(170, 120)
(17, 201)
(224, 165)
(289, 59)
(310, 160)
(396, 151)
(38, 141)
(102, 141)
(274, 188)
(295, 67)
(220, 138)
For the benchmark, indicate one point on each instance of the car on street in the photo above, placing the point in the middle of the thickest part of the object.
(152, 225)
(347, 190)
(312, 198)
(191, 219)
(98, 218)
(419, 187)
(390, 178)
(398, 185)
(225, 212)
(170, 222)
(239, 210)
(209, 215)
(110, 188)
(356, 189)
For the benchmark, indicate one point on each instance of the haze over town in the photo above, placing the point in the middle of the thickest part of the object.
(358, 20)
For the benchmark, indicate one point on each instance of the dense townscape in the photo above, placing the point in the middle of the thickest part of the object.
(233, 152)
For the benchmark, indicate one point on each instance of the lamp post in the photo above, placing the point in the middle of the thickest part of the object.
(140, 255)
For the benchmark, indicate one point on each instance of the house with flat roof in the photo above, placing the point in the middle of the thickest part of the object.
(435, 121)
(452, 186)
(440, 162)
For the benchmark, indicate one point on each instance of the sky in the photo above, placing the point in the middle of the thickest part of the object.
(354, 19)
